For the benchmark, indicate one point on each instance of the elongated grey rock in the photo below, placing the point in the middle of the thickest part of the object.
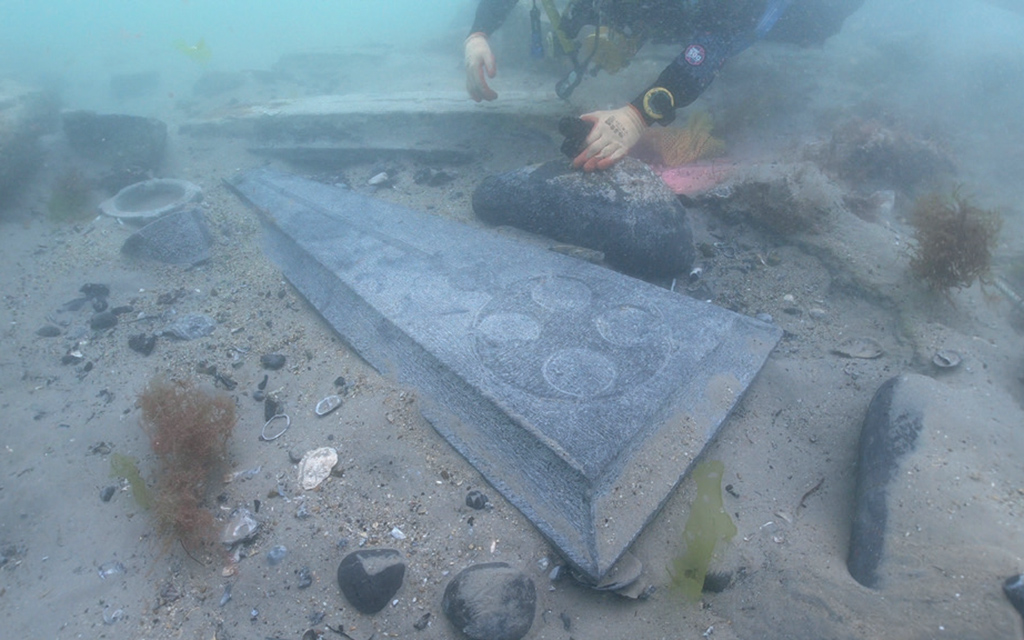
(565, 384)
(627, 213)
(890, 432)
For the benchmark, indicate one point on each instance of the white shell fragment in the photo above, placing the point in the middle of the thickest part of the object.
(327, 405)
(315, 466)
(866, 348)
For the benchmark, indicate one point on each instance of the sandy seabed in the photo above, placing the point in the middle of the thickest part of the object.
(789, 448)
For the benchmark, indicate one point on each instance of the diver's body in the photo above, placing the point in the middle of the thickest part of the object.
(711, 31)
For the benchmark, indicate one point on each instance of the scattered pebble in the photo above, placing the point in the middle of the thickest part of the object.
(276, 554)
(476, 500)
(103, 320)
(226, 596)
(491, 601)
(423, 622)
(94, 290)
(397, 533)
(272, 361)
(48, 331)
(142, 343)
(305, 578)
(107, 493)
(370, 578)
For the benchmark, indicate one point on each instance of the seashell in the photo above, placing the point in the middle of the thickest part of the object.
(327, 405)
(864, 348)
(946, 359)
(315, 466)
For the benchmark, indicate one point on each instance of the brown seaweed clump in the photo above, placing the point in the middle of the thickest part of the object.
(188, 430)
(954, 238)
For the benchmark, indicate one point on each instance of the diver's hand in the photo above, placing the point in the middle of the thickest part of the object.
(613, 135)
(479, 60)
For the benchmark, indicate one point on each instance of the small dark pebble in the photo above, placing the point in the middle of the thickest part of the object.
(339, 381)
(256, 505)
(272, 361)
(423, 622)
(717, 581)
(101, 448)
(566, 621)
(48, 331)
(107, 493)
(294, 457)
(93, 290)
(432, 177)
(731, 491)
(142, 343)
(99, 304)
(476, 500)
(88, 367)
(305, 577)
(259, 396)
(263, 383)
(317, 617)
(270, 408)
(123, 309)
(71, 358)
(101, 321)
(226, 381)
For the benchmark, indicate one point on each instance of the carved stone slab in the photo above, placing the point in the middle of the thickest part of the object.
(581, 394)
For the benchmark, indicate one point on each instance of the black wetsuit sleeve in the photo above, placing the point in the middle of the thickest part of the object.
(702, 57)
(490, 14)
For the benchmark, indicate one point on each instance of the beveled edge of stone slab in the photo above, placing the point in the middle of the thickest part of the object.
(556, 494)
(405, 110)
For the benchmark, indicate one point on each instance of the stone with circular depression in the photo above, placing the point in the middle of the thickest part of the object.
(559, 293)
(626, 325)
(151, 199)
(509, 327)
(579, 372)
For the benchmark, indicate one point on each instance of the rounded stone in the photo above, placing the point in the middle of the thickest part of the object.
(102, 320)
(370, 578)
(272, 361)
(476, 500)
(151, 199)
(491, 601)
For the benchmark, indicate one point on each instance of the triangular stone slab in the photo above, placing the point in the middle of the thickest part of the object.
(581, 394)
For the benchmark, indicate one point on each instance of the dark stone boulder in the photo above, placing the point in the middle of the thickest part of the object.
(491, 601)
(120, 141)
(627, 212)
(25, 115)
(890, 432)
(370, 578)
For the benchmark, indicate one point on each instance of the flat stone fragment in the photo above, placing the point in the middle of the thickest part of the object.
(559, 380)
(180, 237)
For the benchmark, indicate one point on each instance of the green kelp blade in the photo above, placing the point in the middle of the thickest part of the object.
(706, 525)
(125, 467)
